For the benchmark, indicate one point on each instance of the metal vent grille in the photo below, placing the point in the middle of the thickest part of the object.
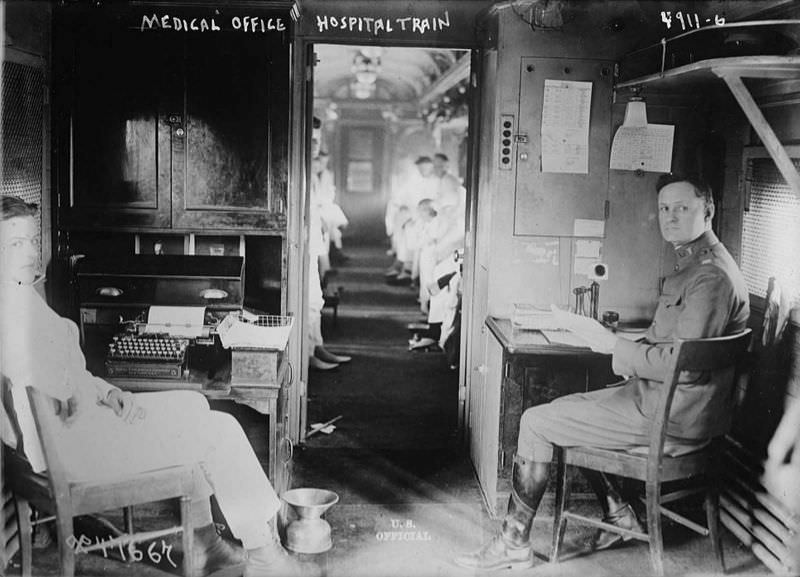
(771, 231)
(22, 137)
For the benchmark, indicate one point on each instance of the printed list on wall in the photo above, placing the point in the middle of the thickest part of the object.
(566, 112)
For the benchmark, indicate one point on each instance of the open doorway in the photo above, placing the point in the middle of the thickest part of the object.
(392, 132)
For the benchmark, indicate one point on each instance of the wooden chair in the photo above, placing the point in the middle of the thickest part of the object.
(654, 467)
(53, 494)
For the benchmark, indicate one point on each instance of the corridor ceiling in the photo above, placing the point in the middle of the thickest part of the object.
(404, 74)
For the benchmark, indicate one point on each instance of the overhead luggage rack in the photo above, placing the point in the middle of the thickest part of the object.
(764, 50)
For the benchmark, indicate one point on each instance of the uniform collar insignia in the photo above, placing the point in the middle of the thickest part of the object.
(706, 240)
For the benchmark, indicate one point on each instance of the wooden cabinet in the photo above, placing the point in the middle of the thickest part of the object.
(518, 374)
(166, 128)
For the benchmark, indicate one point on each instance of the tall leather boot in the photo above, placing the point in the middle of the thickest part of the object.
(616, 511)
(511, 549)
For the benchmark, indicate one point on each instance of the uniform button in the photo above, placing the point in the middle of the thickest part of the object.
(676, 267)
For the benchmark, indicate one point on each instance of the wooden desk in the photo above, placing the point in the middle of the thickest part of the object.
(268, 399)
(521, 370)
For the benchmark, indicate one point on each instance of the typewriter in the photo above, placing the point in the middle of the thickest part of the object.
(119, 297)
(158, 356)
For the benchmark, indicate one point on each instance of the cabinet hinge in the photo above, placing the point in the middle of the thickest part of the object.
(506, 370)
(501, 458)
(607, 209)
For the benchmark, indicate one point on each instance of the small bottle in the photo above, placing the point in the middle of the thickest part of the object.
(611, 319)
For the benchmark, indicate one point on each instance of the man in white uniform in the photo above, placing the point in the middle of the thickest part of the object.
(110, 433)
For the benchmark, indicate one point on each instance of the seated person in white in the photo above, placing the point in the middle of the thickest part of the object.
(111, 433)
(320, 358)
(446, 182)
(446, 236)
(405, 233)
(332, 214)
(424, 232)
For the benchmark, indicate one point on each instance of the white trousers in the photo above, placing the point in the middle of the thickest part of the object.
(178, 428)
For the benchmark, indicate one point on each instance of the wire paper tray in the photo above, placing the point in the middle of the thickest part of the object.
(239, 330)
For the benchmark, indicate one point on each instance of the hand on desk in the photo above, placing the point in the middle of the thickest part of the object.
(599, 339)
(124, 405)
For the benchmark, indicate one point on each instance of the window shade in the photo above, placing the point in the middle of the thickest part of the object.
(771, 231)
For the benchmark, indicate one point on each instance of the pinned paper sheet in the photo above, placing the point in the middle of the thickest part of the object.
(588, 248)
(647, 148)
(542, 252)
(565, 126)
(588, 227)
(176, 321)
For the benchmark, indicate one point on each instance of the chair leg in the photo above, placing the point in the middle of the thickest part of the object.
(562, 497)
(127, 516)
(127, 520)
(66, 553)
(653, 496)
(187, 536)
(712, 520)
(25, 535)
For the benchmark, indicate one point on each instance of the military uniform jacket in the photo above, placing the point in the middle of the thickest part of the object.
(705, 297)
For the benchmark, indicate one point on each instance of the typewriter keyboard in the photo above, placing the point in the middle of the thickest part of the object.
(156, 356)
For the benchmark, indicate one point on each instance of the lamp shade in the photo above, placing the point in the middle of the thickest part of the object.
(635, 113)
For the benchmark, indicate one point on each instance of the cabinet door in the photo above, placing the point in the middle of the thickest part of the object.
(112, 134)
(485, 421)
(230, 145)
(547, 203)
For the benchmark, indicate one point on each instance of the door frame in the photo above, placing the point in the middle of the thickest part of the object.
(301, 73)
(303, 62)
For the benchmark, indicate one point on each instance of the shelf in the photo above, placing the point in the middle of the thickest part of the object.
(706, 72)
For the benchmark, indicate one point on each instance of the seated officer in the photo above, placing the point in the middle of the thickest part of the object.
(109, 433)
(705, 297)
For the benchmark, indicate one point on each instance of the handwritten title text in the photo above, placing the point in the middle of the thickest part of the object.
(253, 24)
(378, 26)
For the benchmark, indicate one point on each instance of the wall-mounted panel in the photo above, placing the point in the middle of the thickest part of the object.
(547, 203)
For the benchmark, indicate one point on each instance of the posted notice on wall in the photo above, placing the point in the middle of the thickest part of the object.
(647, 148)
(565, 126)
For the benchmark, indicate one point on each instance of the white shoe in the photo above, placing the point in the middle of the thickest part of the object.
(319, 365)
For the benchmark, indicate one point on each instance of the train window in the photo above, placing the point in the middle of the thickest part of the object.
(770, 235)
(22, 144)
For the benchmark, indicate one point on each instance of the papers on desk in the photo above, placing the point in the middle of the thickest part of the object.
(565, 338)
(176, 321)
(532, 318)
